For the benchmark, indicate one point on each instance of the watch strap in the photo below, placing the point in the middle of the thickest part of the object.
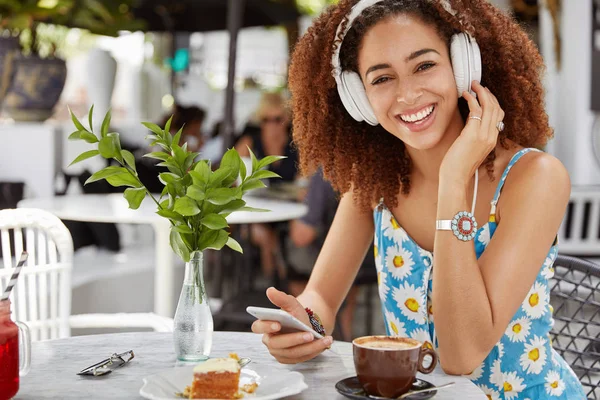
(443, 224)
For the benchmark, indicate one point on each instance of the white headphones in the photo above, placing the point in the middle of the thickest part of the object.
(464, 53)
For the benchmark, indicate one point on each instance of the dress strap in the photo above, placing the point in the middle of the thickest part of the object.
(511, 163)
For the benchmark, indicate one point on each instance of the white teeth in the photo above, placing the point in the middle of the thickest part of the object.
(418, 116)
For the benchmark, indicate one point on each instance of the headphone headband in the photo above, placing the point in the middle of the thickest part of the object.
(356, 10)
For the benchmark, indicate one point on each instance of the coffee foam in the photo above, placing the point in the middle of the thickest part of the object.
(380, 344)
(386, 343)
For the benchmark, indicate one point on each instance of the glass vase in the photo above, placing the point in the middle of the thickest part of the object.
(193, 319)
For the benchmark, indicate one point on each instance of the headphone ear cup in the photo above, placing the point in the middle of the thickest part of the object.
(466, 62)
(460, 62)
(476, 66)
(357, 94)
(347, 99)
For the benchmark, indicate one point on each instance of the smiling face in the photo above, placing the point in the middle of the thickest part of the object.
(406, 70)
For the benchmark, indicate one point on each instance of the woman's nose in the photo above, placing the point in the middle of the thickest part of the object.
(408, 92)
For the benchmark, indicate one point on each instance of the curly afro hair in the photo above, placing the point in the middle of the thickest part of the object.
(367, 158)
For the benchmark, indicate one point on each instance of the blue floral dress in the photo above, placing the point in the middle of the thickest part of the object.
(522, 365)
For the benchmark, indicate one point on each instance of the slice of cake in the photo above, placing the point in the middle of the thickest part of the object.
(216, 378)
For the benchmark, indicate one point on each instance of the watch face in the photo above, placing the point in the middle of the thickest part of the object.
(464, 226)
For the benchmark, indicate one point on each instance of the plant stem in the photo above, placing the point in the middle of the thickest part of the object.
(134, 174)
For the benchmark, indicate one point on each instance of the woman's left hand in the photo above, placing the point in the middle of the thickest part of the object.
(477, 139)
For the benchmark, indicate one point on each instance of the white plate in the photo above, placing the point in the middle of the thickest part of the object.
(273, 383)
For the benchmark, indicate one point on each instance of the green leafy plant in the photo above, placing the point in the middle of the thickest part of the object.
(32, 20)
(195, 199)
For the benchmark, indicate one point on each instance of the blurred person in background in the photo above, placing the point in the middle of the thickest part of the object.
(306, 238)
(271, 137)
(190, 118)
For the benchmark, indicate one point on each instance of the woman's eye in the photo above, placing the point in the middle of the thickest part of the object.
(380, 80)
(425, 66)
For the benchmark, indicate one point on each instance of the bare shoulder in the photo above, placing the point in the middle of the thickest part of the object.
(350, 209)
(538, 177)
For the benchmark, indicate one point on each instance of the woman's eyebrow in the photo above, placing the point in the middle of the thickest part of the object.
(375, 67)
(419, 53)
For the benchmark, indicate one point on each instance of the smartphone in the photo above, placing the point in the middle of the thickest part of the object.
(288, 322)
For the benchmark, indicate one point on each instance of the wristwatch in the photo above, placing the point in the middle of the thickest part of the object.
(463, 225)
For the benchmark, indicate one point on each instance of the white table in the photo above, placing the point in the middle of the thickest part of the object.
(114, 208)
(56, 362)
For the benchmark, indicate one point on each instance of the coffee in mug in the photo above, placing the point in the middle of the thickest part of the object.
(387, 365)
(388, 344)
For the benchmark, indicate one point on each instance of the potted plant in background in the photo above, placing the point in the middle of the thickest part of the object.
(33, 75)
(196, 200)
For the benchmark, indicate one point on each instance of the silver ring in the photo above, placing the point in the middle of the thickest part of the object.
(475, 117)
(500, 126)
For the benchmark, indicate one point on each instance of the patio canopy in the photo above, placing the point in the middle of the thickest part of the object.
(210, 15)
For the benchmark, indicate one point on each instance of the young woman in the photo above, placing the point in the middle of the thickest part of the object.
(426, 149)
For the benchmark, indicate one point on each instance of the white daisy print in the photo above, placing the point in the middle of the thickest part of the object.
(518, 330)
(425, 256)
(411, 302)
(476, 374)
(399, 262)
(490, 393)
(500, 347)
(383, 287)
(484, 235)
(391, 228)
(554, 385)
(496, 376)
(430, 310)
(395, 327)
(536, 302)
(513, 385)
(422, 336)
(533, 358)
(548, 268)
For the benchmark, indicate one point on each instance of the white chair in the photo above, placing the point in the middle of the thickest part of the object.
(42, 296)
(579, 233)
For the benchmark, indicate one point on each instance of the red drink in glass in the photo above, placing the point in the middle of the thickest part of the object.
(9, 353)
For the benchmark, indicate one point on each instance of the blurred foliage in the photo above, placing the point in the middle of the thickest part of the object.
(40, 24)
(57, 40)
(313, 7)
(103, 17)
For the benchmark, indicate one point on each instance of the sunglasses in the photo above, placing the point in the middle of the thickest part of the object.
(106, 366)
(276, 120)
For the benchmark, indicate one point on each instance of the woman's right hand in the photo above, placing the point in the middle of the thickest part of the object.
(289, 348)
